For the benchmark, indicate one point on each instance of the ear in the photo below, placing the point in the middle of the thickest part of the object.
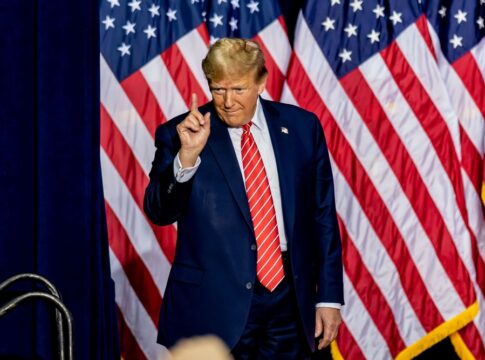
(262, 84)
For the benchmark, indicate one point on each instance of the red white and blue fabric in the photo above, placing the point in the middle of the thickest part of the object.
(150, 63)
(398, 87)
(399, 90)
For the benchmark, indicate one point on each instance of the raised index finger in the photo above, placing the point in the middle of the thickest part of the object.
(193, 102)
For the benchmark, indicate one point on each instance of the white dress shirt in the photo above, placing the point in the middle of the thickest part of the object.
(261, 136)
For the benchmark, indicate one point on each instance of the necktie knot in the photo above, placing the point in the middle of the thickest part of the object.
(246, 127)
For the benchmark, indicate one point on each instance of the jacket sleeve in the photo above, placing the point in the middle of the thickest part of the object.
(165, 198)
(329, 260)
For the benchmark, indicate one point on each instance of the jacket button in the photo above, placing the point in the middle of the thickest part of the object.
(253, 247)
(249, 286)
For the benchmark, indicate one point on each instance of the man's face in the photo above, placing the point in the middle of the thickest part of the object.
(235, 97)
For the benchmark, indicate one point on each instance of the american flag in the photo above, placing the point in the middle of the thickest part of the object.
(399, 89)
(151, 53)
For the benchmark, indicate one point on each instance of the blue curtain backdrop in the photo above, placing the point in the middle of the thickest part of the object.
(51, 203)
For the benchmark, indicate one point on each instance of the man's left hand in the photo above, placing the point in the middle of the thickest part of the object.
(327, 320)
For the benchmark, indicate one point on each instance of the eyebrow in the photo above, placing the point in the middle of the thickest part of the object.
(232, 87)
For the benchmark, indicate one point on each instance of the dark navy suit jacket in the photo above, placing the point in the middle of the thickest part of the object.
(209, 289)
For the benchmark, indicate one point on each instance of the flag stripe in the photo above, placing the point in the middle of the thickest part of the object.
(467, 69)
(135, 316)
(478, 53)
(133, 177)
(348, 346)
(164, 88)
(469, 114)
(275, 81)
(472, 162)
(129, 347)
(369, 292)
(361, 326)
(137, 274)
(193, 49)
(182, 76)
(142, 99)
(276, 43)
(125, 117)
(139, 231)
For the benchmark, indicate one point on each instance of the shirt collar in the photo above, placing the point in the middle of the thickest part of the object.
(258, 119)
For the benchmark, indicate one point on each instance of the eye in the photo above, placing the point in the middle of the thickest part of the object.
(239, 91)
(218, 91)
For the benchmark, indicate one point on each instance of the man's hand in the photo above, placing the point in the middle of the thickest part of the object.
(327, 320)
(193, 132)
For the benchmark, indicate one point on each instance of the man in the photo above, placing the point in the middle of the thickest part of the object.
(258, 258)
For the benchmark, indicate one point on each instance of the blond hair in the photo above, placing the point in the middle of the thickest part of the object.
(234, 56)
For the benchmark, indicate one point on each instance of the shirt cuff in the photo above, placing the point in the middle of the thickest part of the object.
(329, 305)
(184, 174)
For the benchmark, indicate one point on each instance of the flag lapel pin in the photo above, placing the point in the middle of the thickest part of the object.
(284, 130)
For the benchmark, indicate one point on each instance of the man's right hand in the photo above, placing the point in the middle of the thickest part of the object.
(193, 132)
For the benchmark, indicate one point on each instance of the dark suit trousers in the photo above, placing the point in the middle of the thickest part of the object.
(273, 330)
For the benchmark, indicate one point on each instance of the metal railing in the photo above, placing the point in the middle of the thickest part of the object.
(53, 298)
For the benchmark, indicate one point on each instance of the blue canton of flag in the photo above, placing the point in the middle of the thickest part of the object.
(137, 31)
(460, 25)
(239, 18)
(349, 32)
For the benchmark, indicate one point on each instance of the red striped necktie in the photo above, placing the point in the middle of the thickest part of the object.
(269, 266)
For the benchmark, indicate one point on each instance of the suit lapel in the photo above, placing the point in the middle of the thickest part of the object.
(220, 144)
(284, 152)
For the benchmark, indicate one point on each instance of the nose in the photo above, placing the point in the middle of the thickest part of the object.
(228, 100)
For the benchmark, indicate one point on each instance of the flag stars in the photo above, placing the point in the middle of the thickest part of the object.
(351, 30)
(194, 1)
(216, 20)
(379, 11)
(356, 5)
(233, 24)
(135, 5)
(235, 4)
(129, 27)
(442, 12)
(460, 16)
(396, 18)
(154, 10)
(480, 22)
(213, 39)
(171, 14)
(113, 3)
(221, 1)
(150, 31)
(335, 2)
(328, 24)
(108, 22)
(345, 55)
(456, 41)
(374, 36)
(124, 49)
(253, 6)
